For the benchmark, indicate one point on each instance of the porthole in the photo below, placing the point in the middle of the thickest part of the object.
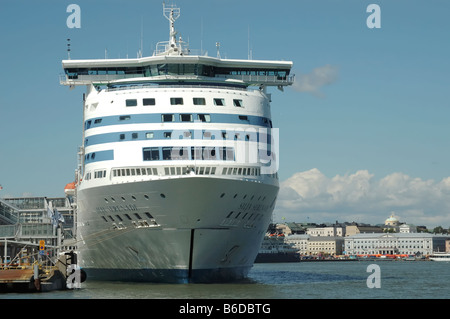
(133, 197)
(146, 197)
(222, 195)
(112, 198)
(162, 195)
(106, 200)
(235, 195)
(123, 198)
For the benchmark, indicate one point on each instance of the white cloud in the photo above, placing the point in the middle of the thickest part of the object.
(359, 197)
(314, 81)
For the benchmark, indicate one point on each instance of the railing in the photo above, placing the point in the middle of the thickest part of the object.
(272, 80)
(262, 79)
(189, 86)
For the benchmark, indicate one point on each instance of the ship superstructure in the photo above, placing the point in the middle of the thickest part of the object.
(178, 171)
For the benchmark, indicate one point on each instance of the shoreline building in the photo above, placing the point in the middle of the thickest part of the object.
(394, 243)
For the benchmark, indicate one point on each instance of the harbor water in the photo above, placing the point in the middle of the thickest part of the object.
(301, 280)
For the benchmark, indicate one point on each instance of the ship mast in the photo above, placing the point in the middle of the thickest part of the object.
(172, 13)
(171, 47)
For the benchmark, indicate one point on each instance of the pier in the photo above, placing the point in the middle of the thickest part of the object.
(37, 240)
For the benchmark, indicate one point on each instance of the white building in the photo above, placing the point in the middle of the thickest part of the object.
(316, 245)
(390, 243)
(407, 228)
(325, 231)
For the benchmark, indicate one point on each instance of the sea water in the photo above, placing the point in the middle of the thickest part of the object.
(300, 280)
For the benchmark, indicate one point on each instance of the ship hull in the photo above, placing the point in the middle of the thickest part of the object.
(186, 229)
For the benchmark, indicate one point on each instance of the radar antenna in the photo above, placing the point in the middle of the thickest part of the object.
(172, 13)
(171, 47)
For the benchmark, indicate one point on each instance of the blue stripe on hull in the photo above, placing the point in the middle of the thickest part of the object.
(168, 275)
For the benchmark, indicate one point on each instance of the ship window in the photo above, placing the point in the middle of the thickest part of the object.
(227, 153)
(167, 134)
(168, 117)
(204, 117)
(120, 218)
(97, 121)
(176, 101)
(199, 101)
(149, 135)
(151, 153)
(186, 117)
(104, 219)
(131, 102)
(137, 216)
(124, 117)
(148, 215)
(179, 153)
(148, 101)
(122, 136)
(134, 135)
(167, 153)
(220, 102)
(128, 216)
(243, 117)
(209, 153)
(237, 102)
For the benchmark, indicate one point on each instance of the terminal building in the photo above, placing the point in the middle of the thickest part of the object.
(25, 221)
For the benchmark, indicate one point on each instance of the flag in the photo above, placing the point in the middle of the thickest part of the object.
(50, 209)
(1, 187)
(59, 217)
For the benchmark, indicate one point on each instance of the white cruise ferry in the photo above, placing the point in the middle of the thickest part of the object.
(177, 178)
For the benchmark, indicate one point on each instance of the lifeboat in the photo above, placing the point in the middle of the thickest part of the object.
(69, 189)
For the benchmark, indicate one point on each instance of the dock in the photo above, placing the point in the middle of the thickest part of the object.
(37, 244)
(39, 277)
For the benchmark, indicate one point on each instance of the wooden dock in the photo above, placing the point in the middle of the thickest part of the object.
(17, 280)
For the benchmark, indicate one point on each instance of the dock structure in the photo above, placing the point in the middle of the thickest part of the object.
(35, 233)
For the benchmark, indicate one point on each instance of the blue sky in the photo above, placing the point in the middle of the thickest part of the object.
(364, 130)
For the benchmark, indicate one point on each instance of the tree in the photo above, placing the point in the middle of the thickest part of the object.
(438, 230)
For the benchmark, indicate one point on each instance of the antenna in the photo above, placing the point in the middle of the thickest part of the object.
(250, 57)
(172, 13)
(218, 49)
(141, 51)
(201, 36)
